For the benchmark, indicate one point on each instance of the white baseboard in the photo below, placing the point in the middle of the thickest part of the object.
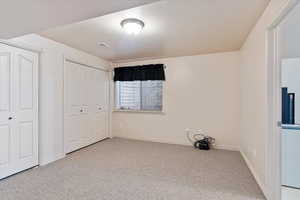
(153, 140)
(227, 147)
(221, 147)
(254, 173)
(50, 160)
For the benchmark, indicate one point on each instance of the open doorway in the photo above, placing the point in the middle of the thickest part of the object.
(289, 50)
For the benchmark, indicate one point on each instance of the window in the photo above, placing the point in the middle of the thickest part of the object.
(139, 88)
(139, 95)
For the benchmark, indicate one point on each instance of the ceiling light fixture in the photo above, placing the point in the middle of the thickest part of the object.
(132, 26)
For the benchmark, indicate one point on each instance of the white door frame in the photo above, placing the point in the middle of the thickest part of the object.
(273, 147)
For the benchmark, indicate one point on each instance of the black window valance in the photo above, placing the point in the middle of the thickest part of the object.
(140, 73)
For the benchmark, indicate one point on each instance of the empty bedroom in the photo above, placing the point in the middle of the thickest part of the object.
(147, 99)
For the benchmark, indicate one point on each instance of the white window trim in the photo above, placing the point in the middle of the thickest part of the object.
(140, 111)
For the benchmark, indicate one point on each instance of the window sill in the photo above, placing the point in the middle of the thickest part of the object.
(140, 111)
(291, 126)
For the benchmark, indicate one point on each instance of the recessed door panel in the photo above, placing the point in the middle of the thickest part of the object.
(26, 82)
(25, 116)
(26, 139)
(5, 81)
(5, 144)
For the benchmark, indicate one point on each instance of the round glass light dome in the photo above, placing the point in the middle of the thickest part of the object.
(132, 26)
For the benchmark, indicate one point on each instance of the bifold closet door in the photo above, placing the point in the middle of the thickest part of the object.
(85, 106)
(18, 110)
(98, 104)
(73, 106)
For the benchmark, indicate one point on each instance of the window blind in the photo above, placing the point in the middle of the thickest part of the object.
(139, 95)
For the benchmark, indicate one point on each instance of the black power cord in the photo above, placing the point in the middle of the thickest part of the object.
(200, 140)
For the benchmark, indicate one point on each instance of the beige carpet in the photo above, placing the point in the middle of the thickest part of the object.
(119, 169)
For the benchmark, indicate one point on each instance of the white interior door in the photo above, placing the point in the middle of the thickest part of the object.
(18, 110)
(98, 104)
(6, 109)
(25, 118)
(101, 104)
(72, 125)
(85, 106)
(85, 135)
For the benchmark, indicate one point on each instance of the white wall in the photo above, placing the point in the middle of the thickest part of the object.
(289, 34)
(51, 91)
(201, 92)
(253, 85)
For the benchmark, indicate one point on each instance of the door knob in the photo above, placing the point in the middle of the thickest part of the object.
(81, 110)
(10, 118)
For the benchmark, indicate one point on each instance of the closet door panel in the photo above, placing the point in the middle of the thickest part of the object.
(68, 128)
(85, 107)
(92, 101)
(101, 104)
(72, 125)
(6, 125)
(88, 110)
(5, 105)
(26, 113)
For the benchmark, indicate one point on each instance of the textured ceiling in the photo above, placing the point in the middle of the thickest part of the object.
(19, 17)
(173, 28)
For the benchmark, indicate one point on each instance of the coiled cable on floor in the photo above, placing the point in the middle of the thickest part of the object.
(199, 135)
